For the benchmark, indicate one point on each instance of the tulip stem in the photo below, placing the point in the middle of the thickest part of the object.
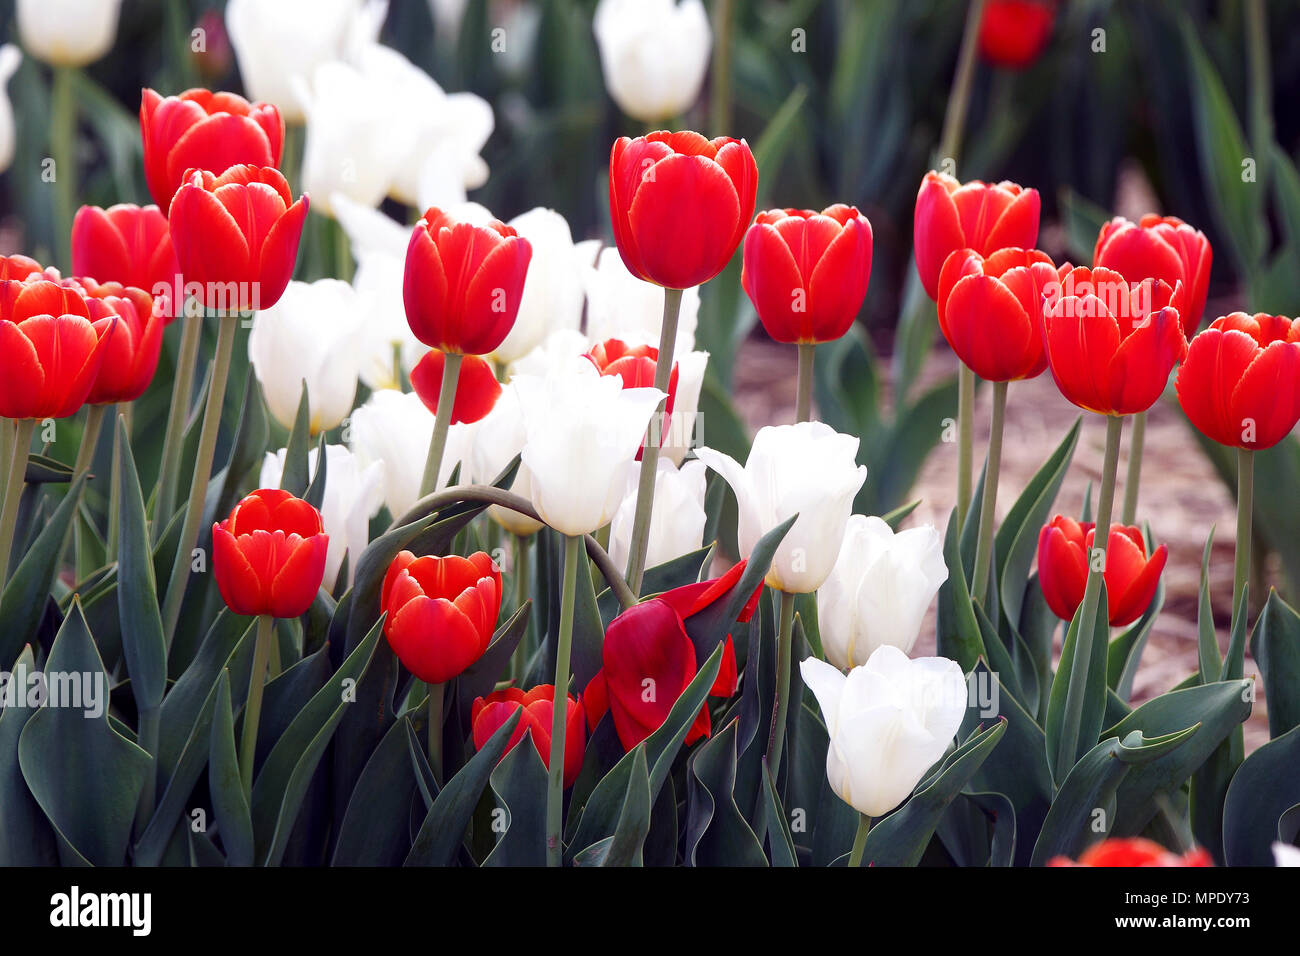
(63, 149)
(1083, 640)
(89, 439)
(720, 100)
(441, 422)
(23, 429)
(7, 452)
(989, 500)
(645, 490)
(965, 439)
(437, 693)
(253, 707)
(1245, 512)
(860, 840)
(803, 400)
(202, 473)
(560, 709)
(784, 644)
(1134, 475)
(177, 414)
(114, 484)
(954, 119)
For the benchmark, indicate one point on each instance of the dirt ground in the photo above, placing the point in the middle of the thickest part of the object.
(1181, 496)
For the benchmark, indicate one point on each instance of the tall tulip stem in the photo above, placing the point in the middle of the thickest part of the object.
(860, 840)
(1245, 511)
(989, 500)
(89, 438)
(441, 422)
(177, 414)
(720, 85)
(954, 119)
(803, 398)
(560, 711)
(114, 483)
(253, 706)
(965, 439)
(63, 150)
(784, 645)
(202, 473)
(645, 491)
(23, 429)
(437, 692)
(1134, 475)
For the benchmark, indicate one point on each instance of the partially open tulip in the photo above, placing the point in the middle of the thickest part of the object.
(441, 612)
(269, 555)
(976, 215)
(654, 54)
(200, 129)
(889, 721)
(130, 245)
(1131, 575)
(1111, 345)
(1135, 851)
(680, 204)
(879, 589)
(463, 283)
(808, 469)
(477, 388)
(1159, 247)
(806, 271)
(68, 32)
(677, 526)
(134, 345)
(538, 705)
(236, 236)
(1240, 382)
(1013, 33)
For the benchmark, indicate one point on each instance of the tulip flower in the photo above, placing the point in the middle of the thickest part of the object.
(678, 528)
(538, 705)
(134, 345)
(203, 130)
(889, 722)
(1131, 575)
(654, 54)
(624, 306)
(498, 438)
(1013, 33)
(130, 245)
(10, 58)
(477, 388)
(878, 591)
(1159, 247)
(70, 32)
(635, 365)
(1134, 851)
(311, 335)
(552, 296)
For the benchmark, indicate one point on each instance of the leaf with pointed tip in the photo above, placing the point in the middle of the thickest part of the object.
(297, 472)
(1275, 646)
(229, 805)
(143, 645)
(25, 835)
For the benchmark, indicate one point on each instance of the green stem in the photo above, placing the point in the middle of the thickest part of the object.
(522, 592)
(720, 85)
(965, 439)
(784, 644)
(7, 452)
(645, 491)
(803, 400)
(23, 429)
(1245, 513)
(563, 652)
(177, 414)
(342, 254)
(954, 120)
(149, 725)
(253, 707)
(437, 693)
(441, 422)
(114, 483)
(1134, 475)
(860, 839)
(1259, 88)
(202, 473)
(989, 500)
(89, 439)
(63, 149)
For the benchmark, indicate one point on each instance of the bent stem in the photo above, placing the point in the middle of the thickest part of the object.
(645, 489)
(803, 401)
(441, 422)
(253, 708)
(437, 693)
(17, 475)
(182, 386)
(784, 643)
(989, 500)
(1245, 514)
(965, 439)
(202, 472)
(559, 715)
(860, 840)
(1134, 475)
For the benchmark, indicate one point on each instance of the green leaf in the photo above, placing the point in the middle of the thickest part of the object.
(1207, 643)
(717, 833)
(1090, 704)
(1265, 788)
(1275, 646)
(519, 783)
(25, 835)
(42, 469)
(375, 829)
(778, 833)
(1124, 653)
(297, 473)
(315, 494)
(626, 843)
(899, 515)
(252, 435)
(143, 644)
(229, 805)
(958, 630)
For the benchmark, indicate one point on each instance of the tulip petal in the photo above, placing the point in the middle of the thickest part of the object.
(1267, 396)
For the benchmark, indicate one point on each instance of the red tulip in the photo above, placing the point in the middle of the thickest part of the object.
(127, 244)
(463, 283)
(991, 310)
(50, 351)
(477, 388)
(236, 236)
(806, 272)
(1111, 345)
(635, 365)
(1134, 851)
(982, 216)
(538, 705)
(441, 612)
(1164, 248)
(269, 555)
(1013, 33)
(17, 268)
(205, 131)
(135, 346)
(1240, 383)
(1131, 576)
(680, 204)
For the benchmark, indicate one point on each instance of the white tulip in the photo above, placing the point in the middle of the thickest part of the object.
(807, 469)
(1284, 854)
(559, 348)
(889, 721)
(312, 334)
(353, 495)
(619, 305)
(654, 54)
(10, 58)
(677, 521)
(582, 430)
(498, 437)
(878, 590)
(68, 32)
(553, 292)
(679, 439)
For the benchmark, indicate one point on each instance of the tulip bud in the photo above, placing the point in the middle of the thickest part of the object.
(1064, 549)
(130, 245)
(538, 705)
(269, 555)
(654, 54)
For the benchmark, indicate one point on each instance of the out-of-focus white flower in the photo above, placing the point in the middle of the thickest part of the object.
(553, 289)
(447, 15)
(619, 305)
(313, 333)
(498, 437)
(691, 367)
(677, 521)
(10, 58)
(654, 54)
(68, 32)
(808, 469)
(889, 721)
(353, 496)
(1286, 855)
(878, 590)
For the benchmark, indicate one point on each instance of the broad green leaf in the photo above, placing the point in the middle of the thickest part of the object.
(229, 804)
(1265, 788)
(297, 473)
(717, 833)
(25, 835)
(1275, 646)
(519, 784)
(1089, 704)
(143, 644)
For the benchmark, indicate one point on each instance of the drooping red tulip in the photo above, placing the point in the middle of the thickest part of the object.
(130, 245)
(477, 388)
(538, 705)
(1131, 575)
(1164, 248)
(269, 555)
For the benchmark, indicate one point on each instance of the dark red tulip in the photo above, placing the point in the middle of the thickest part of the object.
(1131, 576)
(130, 245)
(1159, 247)
(477, 388)
(269, 555)
(1013, 33)
(538, 705)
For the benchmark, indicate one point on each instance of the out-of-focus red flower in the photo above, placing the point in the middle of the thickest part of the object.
(133, 348)
(269, 555)
(1240, 383)
(130, 245)
(991, 310)
(441, 611)
(1164, 248)
(236, 236)
(204, 130)
(538, 705)
(463, 283)
(1131, 576)
(1013, 33)
(477, 388)
(806, 272)
(680, 204)
(214, 60)
(982, 216)
(1134, 851)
